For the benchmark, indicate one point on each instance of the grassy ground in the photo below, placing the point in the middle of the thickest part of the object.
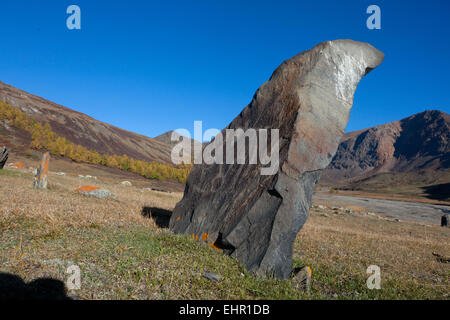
(123, 255)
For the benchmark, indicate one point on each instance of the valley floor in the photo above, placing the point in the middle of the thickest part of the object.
(123, 254)
(403, 210)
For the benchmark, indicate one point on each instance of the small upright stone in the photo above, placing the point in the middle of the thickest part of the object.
(444, 220)
(3, 157)
(40, 179)
(303, 279)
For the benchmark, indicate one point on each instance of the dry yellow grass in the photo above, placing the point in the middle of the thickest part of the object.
(124, 255)
(348, 244)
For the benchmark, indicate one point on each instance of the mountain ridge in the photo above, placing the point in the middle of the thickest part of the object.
(84, 130)
(413, 145)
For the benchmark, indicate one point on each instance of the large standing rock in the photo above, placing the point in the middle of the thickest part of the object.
(3, 157)
(255, 217)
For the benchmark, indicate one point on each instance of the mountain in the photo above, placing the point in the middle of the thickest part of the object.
(82, 129)
(166, 138)
(415, 150)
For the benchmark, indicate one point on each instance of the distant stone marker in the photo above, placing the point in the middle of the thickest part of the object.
(40, 179)
(445, 220)
(3, 157)
(256, 218)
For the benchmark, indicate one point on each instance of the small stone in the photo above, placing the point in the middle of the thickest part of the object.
(126, 183)
(324, 215)
(212, 276)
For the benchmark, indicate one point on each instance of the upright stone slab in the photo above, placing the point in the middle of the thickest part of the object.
(445, 220)
(3, 157)
(40, 179)
(256, 218)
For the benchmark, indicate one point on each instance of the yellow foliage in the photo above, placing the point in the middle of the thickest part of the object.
(44, 138)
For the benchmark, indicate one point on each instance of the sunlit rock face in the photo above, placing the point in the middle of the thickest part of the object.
(255, 218)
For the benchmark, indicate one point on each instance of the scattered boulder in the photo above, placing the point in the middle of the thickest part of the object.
(255, 218)
(87, 177)
(212, 276)
(63, 174)
(40, 179)
(16, 165)
(126, 183)
(4, 153)
(96, 192)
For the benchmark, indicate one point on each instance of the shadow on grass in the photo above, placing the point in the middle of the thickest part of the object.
(438, 191)
(160, 216)
(12, 287)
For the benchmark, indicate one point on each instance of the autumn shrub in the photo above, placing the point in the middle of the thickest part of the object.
(43, 137)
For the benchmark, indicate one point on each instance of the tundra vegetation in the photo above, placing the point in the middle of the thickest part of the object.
(124, 255)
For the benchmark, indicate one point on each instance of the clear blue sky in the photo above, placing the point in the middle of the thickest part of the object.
(149, 67)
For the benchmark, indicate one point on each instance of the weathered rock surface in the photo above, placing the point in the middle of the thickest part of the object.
(255, 217)
(3, 157)
(96, 192)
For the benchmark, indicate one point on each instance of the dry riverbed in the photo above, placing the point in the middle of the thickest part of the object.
(405, 211)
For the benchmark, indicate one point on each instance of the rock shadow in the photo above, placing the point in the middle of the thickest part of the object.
(160, 216)
(13, 287)
(438, 191)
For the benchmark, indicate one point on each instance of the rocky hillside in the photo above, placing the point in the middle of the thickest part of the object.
(419, 143)
(82, 129)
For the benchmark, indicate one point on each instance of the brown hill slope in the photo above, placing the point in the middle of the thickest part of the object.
(414, 150)
(84, 130)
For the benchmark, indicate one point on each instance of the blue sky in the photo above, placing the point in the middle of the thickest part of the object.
(150, 67)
